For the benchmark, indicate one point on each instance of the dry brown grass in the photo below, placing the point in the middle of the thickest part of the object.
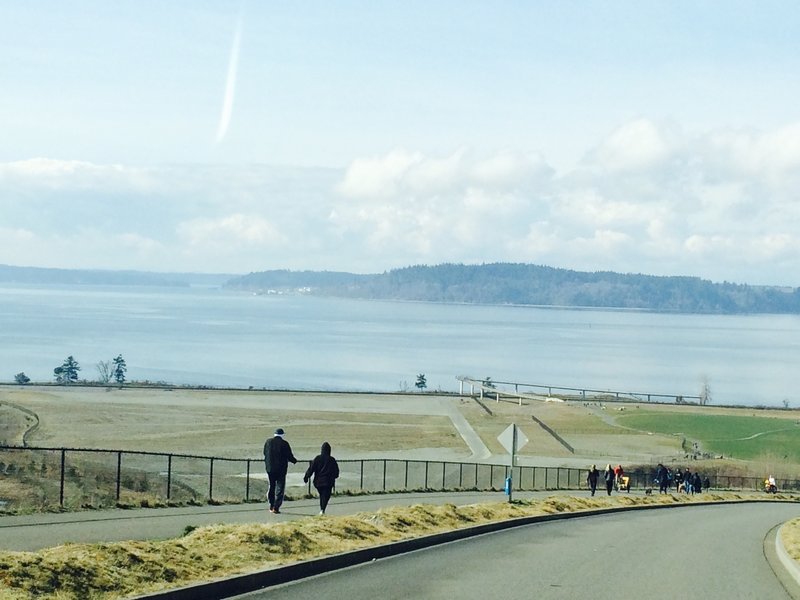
(234, 424)
(220, 423)
(13, 424)
(790, 536)
(116, 570)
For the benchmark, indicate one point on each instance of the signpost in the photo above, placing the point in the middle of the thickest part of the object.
(512, 440)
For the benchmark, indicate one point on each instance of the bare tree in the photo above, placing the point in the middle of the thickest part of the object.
(705, 392)
(104, 371)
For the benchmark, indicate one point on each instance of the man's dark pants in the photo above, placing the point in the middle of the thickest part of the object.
(277, 485)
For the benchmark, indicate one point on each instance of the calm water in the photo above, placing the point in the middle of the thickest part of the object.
(213, 337)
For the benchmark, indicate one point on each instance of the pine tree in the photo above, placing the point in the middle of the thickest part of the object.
(421, 383)
(68, 371)
(120, 368)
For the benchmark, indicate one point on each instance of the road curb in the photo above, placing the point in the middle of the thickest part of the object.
(791, 565)
(250, 582)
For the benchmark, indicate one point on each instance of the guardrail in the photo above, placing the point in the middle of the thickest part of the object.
(550, 391)
(43, 478)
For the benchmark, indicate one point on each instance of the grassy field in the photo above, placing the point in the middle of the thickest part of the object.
(741, 436)
(235, 424)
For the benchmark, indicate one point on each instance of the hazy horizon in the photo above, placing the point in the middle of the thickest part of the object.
(240, 274)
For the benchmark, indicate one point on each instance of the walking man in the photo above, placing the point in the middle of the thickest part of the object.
(277, 456)
(592, 478)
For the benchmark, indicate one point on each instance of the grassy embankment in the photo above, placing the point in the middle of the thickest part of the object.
(772, 442)
(116, 570)
(790, 536)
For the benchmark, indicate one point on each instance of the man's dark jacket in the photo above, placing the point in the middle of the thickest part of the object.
(278, 455)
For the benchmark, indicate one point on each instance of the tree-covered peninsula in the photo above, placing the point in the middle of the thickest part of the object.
(526, 284)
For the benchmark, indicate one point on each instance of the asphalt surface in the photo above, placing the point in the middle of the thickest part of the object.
(33, 532)
(704, 552)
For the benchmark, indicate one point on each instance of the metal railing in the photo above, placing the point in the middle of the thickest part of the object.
(584, 394)
(73, 478)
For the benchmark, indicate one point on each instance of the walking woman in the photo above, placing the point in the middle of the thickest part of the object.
(325, 470)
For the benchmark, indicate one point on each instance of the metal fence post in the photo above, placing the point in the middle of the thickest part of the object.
(406, 481)
(384, 474)
(247, 486)
(211, 480)
(362, 476)
(491, 476)
(460, 475)
(426, 474)
(119, 473)
(444, 466)
(63, 463)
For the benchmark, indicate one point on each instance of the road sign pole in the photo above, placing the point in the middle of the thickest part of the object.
(513, 460)
(512, 439)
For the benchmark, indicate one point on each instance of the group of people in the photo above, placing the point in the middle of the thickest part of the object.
(278, 454)
(610, 476)
(684, 481)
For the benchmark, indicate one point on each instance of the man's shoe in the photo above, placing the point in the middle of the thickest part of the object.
(276, 511)
(272, 510)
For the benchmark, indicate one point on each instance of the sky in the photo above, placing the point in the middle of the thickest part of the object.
(231, 137)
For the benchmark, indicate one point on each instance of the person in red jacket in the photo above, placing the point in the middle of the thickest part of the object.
(325, 470)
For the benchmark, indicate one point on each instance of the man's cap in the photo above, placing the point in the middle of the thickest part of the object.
(279, 431)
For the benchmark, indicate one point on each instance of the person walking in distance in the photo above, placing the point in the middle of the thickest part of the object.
(592, 478)
(277, 456)
(608, 476)
(325, 470)
(662, 476)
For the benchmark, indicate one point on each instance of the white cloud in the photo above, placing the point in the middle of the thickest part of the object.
(71, 174)
(403, 173)
(649, 198)
(637, 145)
(231, 230)
(378, 177)
(511, 170)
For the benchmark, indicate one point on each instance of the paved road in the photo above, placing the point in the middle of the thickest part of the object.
(32, 532)
(689, 552)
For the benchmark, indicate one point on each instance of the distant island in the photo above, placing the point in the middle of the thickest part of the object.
(38, 275)
(495, 283)
(526, 284)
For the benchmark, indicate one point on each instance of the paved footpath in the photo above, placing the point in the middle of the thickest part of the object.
(33, 532)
